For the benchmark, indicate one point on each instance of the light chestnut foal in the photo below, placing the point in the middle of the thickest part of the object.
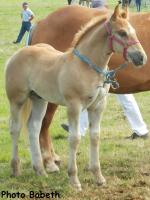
(42, 74)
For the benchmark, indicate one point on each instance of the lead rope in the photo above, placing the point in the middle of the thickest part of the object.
(110, 76)
(110, 79)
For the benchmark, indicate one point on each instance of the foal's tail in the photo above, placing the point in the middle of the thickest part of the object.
(25, 114)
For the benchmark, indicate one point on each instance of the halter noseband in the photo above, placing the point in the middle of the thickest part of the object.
(119, 41)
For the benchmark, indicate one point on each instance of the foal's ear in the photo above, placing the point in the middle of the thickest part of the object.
(116, 13)
(119, 13)
(125, 13)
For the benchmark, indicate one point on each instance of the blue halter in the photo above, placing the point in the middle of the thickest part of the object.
(109, 75)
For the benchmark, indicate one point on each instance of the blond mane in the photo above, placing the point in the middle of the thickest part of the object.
(86, 28)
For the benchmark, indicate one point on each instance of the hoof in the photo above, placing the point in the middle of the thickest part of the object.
(40, 172)
(51, 167)
(77, 187)
(101, 181)
(56, 159)
(75, 183)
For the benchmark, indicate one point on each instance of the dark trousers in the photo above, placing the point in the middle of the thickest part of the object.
(138, 5)
(69, 2)
(24, 27)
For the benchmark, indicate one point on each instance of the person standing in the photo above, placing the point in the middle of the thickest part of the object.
(27, 16)
(138, 5)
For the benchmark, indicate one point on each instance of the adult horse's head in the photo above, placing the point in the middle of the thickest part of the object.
(122, 37)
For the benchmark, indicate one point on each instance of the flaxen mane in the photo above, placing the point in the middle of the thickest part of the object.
(85, 29)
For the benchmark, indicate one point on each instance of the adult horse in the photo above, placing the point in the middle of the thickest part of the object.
(58, 29)
(77, 79)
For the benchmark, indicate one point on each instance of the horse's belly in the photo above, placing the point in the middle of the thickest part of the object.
(59, 100)
(51, 96)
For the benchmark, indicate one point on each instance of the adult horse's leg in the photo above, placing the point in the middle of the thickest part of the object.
(48, 154)
(15, 126)
(34, 126)
(74, 138)
(94, 114)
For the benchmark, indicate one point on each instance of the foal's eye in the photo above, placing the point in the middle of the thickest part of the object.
(122, 33)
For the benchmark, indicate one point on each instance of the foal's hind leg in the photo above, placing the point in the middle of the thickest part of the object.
(94, 114)
(15, 126)
(34, 126)
(48, 154)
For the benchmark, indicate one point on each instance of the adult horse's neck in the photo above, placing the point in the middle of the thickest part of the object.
(94, 45)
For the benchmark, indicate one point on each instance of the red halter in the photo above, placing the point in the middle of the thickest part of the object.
(113, 37)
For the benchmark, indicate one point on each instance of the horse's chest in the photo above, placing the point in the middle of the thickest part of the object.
(96, 94)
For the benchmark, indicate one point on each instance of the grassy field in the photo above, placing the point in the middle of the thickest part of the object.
(125, 164)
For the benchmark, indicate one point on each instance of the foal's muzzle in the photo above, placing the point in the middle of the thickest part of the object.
(137, 58)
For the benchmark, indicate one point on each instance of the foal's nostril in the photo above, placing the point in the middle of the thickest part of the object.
(140, 57)
(137, 58)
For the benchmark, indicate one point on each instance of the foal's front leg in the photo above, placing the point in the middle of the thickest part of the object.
(94, 114)
(74, 139)
(34, 126)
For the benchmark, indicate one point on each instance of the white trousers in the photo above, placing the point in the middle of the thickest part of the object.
(131, 111)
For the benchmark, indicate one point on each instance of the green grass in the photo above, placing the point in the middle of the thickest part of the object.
(125, 164)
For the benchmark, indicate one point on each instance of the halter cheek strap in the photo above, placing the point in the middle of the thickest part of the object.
(119, 41)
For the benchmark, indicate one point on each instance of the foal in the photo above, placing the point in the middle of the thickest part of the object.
(76, 79)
